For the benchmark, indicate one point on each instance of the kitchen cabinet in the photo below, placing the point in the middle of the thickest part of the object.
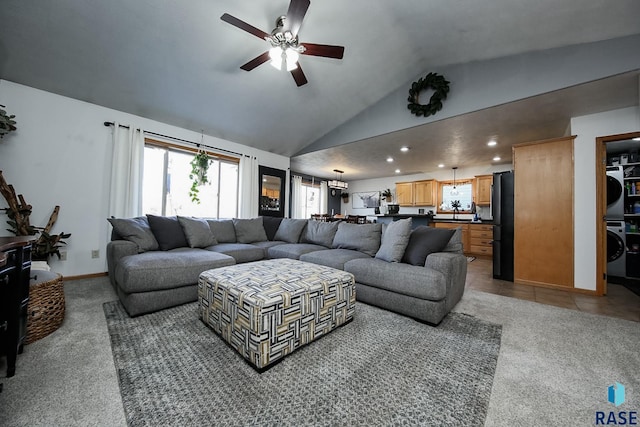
(543, 217)
(480, 239)
(416, 193)
(270, 193)
(483, 190)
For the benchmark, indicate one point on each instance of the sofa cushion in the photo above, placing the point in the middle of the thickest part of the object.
(241, 252)
(395, 238)
(424, 241)
(293, 250)
(152, 271)
(360, 237)
(414, 281)
(455, 243)
(223, 230)
(271, 224)
(167, 231)
(320, 233)
(135, 230)
(197, 232)
(334, 258)
(290, 229)
(249, 230)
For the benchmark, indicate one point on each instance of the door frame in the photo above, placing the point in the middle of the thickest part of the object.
(601, 206)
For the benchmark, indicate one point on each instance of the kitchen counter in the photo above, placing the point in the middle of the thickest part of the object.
(416, 219)
(464, 221)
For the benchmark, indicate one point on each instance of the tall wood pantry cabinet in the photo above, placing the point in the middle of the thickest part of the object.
(543, 213)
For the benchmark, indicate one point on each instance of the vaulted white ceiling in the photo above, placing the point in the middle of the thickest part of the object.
(177, 62)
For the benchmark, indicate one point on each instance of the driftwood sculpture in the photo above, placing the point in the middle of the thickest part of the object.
(19, 211)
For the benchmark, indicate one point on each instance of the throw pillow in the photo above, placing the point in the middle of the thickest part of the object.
(271, 224)
(249, 230)
(364, 238)
(135, 230)
(395, 240)
(424, 241)
(167, 231)
(455, 243)
(290, 229)
(223, 230)
(197, 232)
(320, 233)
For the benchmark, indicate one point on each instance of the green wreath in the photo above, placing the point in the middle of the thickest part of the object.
(431, 81)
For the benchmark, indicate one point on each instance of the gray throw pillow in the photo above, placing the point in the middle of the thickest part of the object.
(223, 230)
(271, 224)
(320, 233)
(167, 231)
(290, 229)
(249, 230)
(424, 241)
(395, 239)
(364, 238)
(197, 232)
(135, 230)
(455, 243)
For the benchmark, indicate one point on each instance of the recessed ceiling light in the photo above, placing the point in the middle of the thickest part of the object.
(492, 143)
(397, 170)
(404, 149)
(389, 159)
(440, 165)
(496, 158)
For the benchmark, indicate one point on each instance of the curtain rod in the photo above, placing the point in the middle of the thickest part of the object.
(179, 139)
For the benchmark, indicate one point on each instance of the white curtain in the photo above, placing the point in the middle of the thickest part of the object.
(249, 187)
(324, 198)
(125, 194)
(297, 198)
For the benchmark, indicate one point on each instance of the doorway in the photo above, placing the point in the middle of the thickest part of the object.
(617, 159)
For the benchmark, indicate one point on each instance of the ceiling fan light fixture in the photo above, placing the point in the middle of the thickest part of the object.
(283, 58)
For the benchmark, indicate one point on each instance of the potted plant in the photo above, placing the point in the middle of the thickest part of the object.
(387, 195)
(7, 124)
(345, 197)
(198, 176)
(455, 204)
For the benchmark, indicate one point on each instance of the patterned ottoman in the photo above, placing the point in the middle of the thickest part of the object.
(267, 309)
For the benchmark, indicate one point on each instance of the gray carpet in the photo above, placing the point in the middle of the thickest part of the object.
(380, 369)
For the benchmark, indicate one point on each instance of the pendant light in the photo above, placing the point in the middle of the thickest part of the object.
(454, 191)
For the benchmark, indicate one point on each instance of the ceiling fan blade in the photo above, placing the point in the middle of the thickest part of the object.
(299, 76)
(259, 60)
(325, 50)
(295, 15)
(243, 26)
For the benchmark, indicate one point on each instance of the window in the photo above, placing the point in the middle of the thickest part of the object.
(309, 200)
(166, 184)
(463, 193)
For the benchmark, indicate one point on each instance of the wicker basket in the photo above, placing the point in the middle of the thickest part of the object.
(46, 305)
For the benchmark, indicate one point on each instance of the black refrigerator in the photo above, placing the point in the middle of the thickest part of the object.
(502, 212)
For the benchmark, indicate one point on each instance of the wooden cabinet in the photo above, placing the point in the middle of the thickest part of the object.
(15, 265)
(404, 193)
(543, 218)
(483, 190)
(416, 193)
(481, 239)
(271, 193)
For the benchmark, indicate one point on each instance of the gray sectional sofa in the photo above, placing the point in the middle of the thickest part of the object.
(154, 262)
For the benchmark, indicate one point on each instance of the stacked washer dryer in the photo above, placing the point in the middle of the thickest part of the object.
(616, 240)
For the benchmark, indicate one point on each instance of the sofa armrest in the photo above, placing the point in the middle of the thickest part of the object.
(116, 249)
(454, 268)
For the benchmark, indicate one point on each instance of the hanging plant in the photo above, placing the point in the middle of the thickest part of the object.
(198, 176)
(7, 124)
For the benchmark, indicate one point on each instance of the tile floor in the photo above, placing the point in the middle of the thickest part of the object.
(619, 301)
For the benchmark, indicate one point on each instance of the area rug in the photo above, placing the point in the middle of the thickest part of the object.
(380, 369)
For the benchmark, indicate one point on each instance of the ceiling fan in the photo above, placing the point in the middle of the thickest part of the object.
(285, 47)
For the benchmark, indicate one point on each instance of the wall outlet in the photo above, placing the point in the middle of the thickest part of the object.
(95, 253)
(63, 255)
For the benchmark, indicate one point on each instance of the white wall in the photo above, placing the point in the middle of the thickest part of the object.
(61, 155)
(587, 129)
(380, 184)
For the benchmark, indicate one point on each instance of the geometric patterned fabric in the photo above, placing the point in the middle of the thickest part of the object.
(267, 309)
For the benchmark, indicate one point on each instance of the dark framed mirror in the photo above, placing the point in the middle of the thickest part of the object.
(271, 201)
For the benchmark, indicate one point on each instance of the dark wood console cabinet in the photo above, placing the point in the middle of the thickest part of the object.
(15, 267)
